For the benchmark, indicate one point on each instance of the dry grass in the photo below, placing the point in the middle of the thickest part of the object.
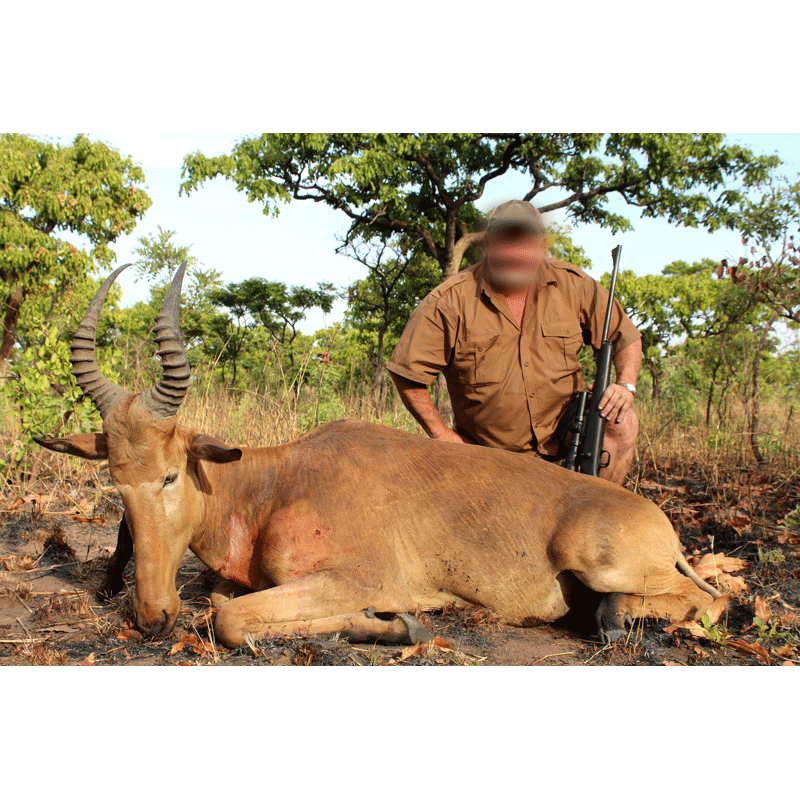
(471, 617)
(60, 605)
(39, 654)
(666, 440)
(258, 420)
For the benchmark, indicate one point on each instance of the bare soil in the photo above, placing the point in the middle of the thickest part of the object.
(55, 544)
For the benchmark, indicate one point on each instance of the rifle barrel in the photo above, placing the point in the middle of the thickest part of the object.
(615, 254)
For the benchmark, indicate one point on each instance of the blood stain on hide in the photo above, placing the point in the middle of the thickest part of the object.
(298, 542)
(241, 564)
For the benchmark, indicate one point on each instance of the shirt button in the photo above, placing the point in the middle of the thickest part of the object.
(526, 363)
(480, 348)
(532, 394)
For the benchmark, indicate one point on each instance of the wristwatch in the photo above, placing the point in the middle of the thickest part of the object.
(629, 386)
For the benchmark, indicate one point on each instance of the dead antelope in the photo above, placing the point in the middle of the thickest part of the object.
(354, 525)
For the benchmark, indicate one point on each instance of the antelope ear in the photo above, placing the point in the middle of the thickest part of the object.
(207, 448)
(93, 446)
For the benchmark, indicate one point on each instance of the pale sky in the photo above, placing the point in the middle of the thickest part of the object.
(229, 234)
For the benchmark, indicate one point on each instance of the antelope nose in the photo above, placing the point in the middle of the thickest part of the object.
(150, 626)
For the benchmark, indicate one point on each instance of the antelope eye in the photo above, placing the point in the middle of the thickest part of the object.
(171, 478)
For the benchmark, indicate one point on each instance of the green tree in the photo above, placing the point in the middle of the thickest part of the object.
(683, 301)
(425, 185)
(397, 279)
(51, 191)
(273, 306)
(686, 308)
(770, 272)
(159, 256)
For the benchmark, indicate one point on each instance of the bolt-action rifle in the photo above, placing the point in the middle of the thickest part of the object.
(588, 427)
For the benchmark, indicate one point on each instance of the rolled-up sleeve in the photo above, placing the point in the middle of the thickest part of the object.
(426, 346)
(621, 331)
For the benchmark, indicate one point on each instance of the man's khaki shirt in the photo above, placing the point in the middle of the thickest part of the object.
(509, 387)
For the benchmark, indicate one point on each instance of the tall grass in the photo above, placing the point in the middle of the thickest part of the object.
(667, 439)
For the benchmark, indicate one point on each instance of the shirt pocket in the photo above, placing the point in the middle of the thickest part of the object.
(479, 361)
(562, 342)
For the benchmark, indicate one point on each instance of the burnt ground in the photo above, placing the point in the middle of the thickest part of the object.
(55, 542)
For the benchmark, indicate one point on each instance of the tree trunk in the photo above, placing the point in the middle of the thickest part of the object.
(451, 258)
(710, 399)
(13, 304)
(655, 379)
(377, 378)
(755, 402)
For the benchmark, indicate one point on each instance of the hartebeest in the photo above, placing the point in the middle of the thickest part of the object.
(354, 523)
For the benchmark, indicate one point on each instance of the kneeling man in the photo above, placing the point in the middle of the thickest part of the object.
(506, 333)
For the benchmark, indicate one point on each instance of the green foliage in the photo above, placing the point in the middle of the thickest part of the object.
(563, 248)
(159, 256)
(716, 632)
(262, 317)
(793, 520)
(425, 185)
(49, 192)
(772, 631)
(770, 271)
(39, 385)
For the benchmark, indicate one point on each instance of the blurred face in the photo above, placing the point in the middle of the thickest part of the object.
(513, 256)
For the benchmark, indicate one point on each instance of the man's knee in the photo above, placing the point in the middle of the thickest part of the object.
(626, 431)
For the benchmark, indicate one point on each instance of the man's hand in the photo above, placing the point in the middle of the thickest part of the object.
(615, 403)
(449, 435)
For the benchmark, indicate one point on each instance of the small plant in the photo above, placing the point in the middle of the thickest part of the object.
(792, 520)
(772, 556)
(768, 632)
(717, 632)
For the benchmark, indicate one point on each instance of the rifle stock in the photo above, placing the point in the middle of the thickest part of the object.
(588, 461)
(587, 444)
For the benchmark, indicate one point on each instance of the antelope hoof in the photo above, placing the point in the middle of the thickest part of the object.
(611, 627)
(110, 588)
(417, 632)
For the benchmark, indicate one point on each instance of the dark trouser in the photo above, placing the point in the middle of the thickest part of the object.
(563, 434)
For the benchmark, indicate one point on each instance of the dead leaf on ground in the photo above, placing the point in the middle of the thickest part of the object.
(712, 565)
(421, 649)
(198, 645)
(749, 648)
(731, 584)
(697, 630)
(129, 635)
(176, 648)
(762, 609)
(410, 652)
(789, 618)
(786, 651)
(18, 563)
(93, 520)
(716, 609)
(88, 661)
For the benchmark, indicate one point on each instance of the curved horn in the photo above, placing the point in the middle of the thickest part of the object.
(95, 385)
(165, 398)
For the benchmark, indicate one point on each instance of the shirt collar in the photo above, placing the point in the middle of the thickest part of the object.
(545, 277)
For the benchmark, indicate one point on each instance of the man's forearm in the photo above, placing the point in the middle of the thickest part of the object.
(628, 362)
(416, 399)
